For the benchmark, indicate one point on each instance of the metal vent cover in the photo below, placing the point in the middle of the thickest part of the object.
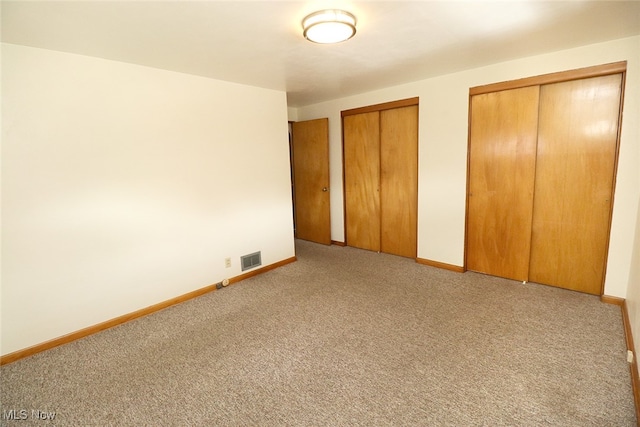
(251, 260)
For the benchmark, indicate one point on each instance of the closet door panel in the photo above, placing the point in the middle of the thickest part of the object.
(502, 157)
(399, 181)
(361, 180)
(577, 149)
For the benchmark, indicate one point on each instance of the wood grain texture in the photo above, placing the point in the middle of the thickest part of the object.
(399, 181)
(502, 157)
(612, 300)
(362, 180)
(438, 264)
(310, 147)
(577, 151)
(633, 366)
(628, 334)
(562, 76)
(380, 107)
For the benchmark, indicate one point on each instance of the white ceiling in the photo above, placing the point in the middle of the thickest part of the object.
(259, 43)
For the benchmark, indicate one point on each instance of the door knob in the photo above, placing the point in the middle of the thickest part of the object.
(325, 189)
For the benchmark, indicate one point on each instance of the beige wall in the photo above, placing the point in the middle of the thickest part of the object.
(443, 150)
(633, 292)
(124, 186)
(292, 114)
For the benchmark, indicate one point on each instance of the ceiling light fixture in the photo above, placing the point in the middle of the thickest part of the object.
(329, 26)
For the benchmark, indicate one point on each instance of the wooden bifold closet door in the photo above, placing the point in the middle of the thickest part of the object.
(381, 179)
(541, 176)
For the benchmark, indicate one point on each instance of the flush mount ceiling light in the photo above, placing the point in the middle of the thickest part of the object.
(329, 26)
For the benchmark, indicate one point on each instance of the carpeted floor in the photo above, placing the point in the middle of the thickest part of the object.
(343, 337)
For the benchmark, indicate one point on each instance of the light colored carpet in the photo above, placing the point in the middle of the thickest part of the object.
(344, 337)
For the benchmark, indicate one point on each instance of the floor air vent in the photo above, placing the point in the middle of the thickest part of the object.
(251, 260)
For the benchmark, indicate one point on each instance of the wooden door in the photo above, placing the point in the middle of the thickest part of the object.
(399, 181)
(577, 149)
(361, 180)
(502, 156)
(310, 148)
